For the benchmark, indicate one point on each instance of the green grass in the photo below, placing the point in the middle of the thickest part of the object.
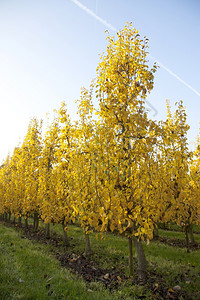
(175, 227)
(177, 235)
(28, 271)
(176, 266)
(28, 267)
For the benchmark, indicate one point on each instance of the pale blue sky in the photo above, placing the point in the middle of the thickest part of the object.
(49, 49)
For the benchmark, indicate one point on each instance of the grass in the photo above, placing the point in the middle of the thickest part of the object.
(29, 271)
(175, 265)
(175, 227)
(177, 235)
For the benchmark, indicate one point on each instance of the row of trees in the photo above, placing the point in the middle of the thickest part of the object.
(114, 169)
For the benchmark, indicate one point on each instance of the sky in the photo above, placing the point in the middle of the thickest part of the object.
(50, 49)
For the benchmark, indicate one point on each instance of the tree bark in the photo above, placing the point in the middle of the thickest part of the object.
(65, 237)
(35, 222)
(19, 221)
(155, 233)
(186, 237)
(26, 222)
(130, 250)
(47, 230)
(141, 259)
(88, 250)
(191, 235)
(9, 216)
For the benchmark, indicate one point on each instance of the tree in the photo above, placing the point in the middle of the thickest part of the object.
(5, 187)
(124, 79)
(65, 171)
(176, 173)
(31, 151)
(193, 192)
(17, 183)
(47, 180)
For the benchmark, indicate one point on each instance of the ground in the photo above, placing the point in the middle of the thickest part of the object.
(107, 266)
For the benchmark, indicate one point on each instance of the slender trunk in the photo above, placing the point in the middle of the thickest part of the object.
(155, 233)
(191, 235)
(26, 222)
(5, 217)
(88, 250)
(47, 230)
(35, 222)
(141, 259)
(14, 219)
(186, 237)
(65, 237)
(19, 220)
(9, 216)
(130, 250)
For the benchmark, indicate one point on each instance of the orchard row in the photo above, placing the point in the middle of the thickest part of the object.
(113, 169)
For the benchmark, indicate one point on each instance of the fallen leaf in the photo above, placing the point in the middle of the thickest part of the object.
(49, 279)
(188, 282)
(155, 286)
(177, 288)
(106, 276)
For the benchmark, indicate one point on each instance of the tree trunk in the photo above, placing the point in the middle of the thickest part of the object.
(155, 233)
(88, 250)
(9, 216)
(5, 216)
(65, 237)
(47, 230)
(19, 220)
(141, 259)
(130, 250)
(35, 222)
(14, 219)
(191, 235)
(26, 222)
(186, 237)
